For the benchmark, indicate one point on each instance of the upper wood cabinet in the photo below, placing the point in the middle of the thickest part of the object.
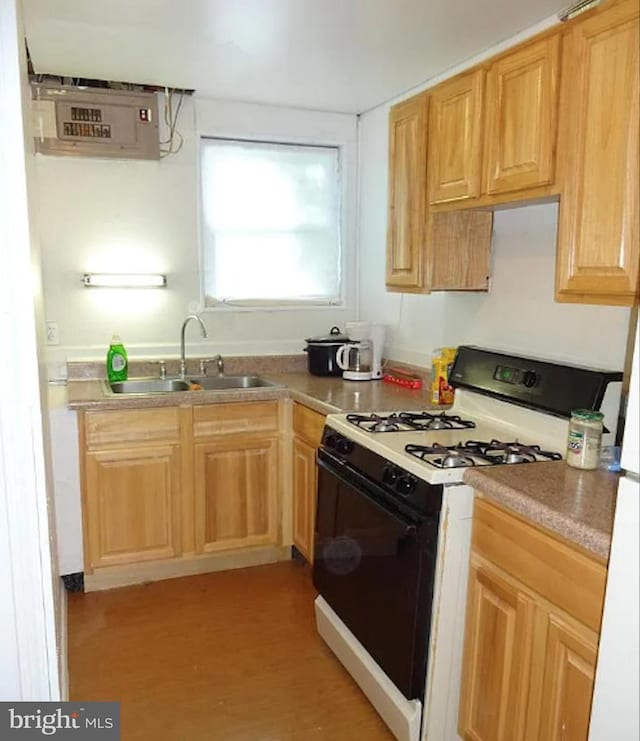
(455, 138)
(521, 117)
(407, 184)
(598, 238)
(448, 251)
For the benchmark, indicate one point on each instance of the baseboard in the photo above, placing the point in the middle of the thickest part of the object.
(122, 576)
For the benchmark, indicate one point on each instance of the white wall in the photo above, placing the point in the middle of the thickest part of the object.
(110, 215)
(31, 609)
(518, 314)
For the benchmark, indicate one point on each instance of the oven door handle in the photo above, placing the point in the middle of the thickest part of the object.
(369, 490)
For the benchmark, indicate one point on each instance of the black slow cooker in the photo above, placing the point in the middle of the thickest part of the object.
(321, 353)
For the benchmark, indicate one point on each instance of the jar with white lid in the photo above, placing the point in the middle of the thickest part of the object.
(585, 439)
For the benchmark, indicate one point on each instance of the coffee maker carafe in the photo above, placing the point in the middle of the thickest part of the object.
(356, 359)
(374, 333)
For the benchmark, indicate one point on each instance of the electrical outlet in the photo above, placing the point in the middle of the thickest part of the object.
(52, 332)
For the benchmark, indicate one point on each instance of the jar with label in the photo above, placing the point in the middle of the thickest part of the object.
(585, 439)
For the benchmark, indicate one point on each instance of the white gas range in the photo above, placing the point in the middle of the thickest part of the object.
(393, 525)
(476, 431)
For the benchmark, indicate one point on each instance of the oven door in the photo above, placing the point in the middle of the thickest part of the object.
(375, 566)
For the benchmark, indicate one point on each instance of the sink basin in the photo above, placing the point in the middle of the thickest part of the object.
(211, 383)
(207, 383)
(149, 386)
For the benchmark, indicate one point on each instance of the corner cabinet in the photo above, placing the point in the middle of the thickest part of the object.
(407, 188)
(307, 430)
(533, 618)
(598, 237)
(429, 251)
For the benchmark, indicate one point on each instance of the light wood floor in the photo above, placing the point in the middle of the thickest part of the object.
(232, 656)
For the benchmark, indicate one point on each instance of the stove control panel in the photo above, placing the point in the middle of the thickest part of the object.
(514, 376)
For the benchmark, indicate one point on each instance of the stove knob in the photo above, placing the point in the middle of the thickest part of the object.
(390, 474)
(344, 446)
(331, 440)
(529, 379)
(405, 485)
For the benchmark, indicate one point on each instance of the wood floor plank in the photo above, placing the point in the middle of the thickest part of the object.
(231, 656)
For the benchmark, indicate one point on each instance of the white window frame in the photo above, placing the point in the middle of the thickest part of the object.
(348, 201)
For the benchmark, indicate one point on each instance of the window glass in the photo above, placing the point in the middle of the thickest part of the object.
(271, 223)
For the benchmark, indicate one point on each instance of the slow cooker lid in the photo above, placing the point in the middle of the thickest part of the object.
(334, 337)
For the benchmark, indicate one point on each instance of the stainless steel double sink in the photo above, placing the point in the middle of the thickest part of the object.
(207, 383)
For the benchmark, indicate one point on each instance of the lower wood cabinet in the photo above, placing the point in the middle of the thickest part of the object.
(567, 688)
(133, 508)
(533, 616)
(305, 480)
(168, 491)
(307, 427)
(236, 497)
(497, 659)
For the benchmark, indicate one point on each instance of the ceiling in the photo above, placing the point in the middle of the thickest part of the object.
(340, 55)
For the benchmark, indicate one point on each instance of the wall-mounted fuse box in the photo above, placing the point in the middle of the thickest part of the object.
(95, 122)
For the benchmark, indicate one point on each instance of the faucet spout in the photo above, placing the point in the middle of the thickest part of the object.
(203, 332)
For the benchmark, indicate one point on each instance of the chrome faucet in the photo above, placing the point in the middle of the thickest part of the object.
(218, 360)
(203, 332)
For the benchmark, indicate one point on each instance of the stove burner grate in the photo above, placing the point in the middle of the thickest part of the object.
(409, 421)
(480, 453)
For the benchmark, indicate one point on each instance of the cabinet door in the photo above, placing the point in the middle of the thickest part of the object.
(521, 118)
(407, 187)
(598, 252)
(304, 496)
(235, 487)
(455, 142)
(132, 505)
(497, 655)
(460, 250)
(568, 681)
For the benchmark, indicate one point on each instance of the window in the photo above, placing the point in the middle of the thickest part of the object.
(271, 223)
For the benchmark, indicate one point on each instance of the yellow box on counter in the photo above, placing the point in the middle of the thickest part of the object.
(441, 391)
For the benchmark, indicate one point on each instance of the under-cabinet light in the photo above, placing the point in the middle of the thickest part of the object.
(124, 280)
(580, 7)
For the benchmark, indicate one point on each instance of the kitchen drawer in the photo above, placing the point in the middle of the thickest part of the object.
(115, 429)
(561, 574)
(225, 419)
(308, 424)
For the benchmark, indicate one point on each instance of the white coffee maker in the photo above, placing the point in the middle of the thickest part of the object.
(374, 333)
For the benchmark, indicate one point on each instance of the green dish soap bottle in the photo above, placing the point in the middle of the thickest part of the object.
(117, 363)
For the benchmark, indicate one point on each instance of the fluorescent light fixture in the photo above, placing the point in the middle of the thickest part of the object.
(124, 280)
